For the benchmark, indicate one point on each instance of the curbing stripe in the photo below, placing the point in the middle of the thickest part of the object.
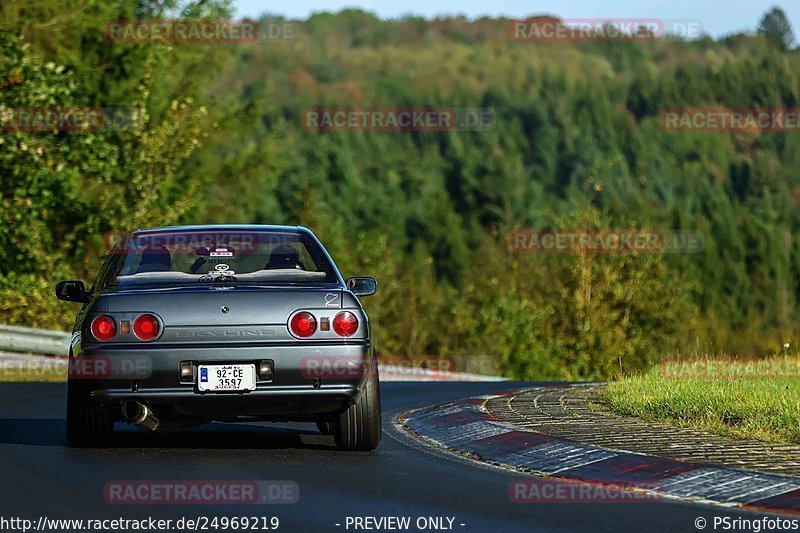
(789, 500)
(509, 442)
(466, 427)
(555, 457)
(634, 469)
(463, 434)
(719, 484)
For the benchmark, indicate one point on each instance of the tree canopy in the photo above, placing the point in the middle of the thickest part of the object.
(577, 143)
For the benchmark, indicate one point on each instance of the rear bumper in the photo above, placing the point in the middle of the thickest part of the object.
(308, 381)
(277, 404)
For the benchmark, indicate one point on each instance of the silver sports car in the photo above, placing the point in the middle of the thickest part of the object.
(222, 323)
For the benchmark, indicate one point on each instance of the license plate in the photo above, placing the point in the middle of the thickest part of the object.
(226, 378)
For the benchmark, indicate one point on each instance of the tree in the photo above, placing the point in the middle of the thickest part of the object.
(776, 28)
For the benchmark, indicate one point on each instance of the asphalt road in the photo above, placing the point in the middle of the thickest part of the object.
(40, 476)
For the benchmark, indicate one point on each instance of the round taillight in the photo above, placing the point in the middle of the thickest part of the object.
(304, 324)
(345, 324)
(146, 327)
(104, 328)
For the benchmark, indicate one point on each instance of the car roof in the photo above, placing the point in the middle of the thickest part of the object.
(211, 227)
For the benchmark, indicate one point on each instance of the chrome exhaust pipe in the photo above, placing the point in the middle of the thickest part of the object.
(140, 415)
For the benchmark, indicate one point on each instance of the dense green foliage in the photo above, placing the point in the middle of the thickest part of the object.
(578, 143)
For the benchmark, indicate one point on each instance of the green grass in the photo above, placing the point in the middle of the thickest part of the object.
(758, 399)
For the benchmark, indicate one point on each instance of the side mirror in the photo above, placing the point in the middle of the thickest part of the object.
(71, 291)
(362, 285)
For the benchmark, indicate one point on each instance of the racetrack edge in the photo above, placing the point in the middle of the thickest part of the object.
(466, 428)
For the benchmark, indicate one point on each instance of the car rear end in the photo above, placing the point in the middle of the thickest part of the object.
(203, 337)
(162, 340)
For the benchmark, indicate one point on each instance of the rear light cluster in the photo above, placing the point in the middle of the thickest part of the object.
(345, 324)
(146, 327)
(304, 324)
(104, 328)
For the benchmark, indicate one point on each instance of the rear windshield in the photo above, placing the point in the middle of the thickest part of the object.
(217, 257)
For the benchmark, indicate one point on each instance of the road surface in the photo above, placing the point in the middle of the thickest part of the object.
(41, 477)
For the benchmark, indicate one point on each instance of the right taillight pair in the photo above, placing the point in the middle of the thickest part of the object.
(304, 324)
(146, 327)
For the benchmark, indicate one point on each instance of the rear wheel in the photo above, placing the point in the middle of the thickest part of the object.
(359, 427)
(88, 425)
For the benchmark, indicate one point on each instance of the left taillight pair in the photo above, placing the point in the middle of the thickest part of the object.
(145, 327)
(304, 324)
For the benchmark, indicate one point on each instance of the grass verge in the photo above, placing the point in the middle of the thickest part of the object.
(753, 398)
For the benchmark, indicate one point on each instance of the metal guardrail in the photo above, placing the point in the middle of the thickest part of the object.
(34, 340)
(400, 373)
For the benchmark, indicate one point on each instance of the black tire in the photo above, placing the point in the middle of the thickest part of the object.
(326, 427)
(88, 425)
(359, 427)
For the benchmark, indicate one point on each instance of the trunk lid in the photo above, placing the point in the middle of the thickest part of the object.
(223, 307)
